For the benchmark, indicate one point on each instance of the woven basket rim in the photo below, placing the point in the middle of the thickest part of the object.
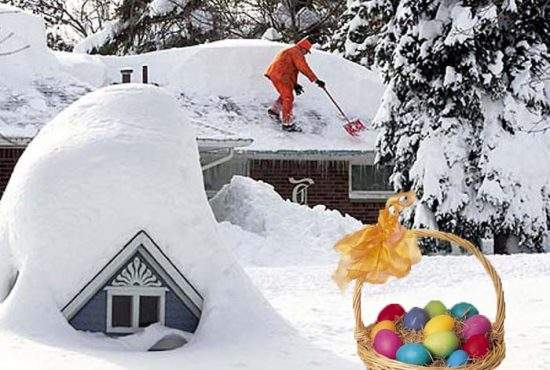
(376, 362)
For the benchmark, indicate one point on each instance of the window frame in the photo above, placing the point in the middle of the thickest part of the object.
(364, 194)
(135, 292)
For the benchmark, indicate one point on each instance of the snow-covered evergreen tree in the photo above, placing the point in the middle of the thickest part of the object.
(463, 90)
(147, 25)
(515, 187)
(360, 28)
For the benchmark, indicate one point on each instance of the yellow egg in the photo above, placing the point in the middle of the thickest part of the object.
(385, 324)
(439, 323)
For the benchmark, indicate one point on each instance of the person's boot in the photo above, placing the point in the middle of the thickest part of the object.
(273, 114)
(292, 128)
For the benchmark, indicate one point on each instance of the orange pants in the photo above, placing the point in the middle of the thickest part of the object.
(285, 100)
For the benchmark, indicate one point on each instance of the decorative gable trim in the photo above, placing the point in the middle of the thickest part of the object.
(138, 272)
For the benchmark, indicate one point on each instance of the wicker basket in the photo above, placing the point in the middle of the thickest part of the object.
(375, 361)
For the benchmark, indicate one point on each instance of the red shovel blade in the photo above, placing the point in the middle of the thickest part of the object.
(354, 127)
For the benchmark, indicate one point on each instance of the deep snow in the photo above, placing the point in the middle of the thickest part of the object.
(263, 229)
(219, 84)
(91, 179)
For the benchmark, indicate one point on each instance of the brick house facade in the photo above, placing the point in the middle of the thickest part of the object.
(8, 159)
(328, 178)
(330, 188)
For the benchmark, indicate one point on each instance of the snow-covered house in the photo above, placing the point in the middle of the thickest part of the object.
(225, 95)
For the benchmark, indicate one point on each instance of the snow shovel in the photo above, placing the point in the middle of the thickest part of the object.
(352, 127)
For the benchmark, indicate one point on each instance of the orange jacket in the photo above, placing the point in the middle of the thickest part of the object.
(286, 65)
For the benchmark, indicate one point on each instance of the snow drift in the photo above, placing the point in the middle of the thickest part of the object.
(267, 230)
(103, 169)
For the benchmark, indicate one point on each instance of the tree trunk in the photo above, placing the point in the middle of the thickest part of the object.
(506, 244)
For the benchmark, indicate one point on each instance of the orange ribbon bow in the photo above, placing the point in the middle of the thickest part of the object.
(377, 252)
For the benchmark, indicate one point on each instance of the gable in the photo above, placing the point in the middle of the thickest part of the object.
(139, 263)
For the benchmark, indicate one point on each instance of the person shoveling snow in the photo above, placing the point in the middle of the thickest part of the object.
(283, 74)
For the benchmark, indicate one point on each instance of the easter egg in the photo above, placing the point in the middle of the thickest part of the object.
(415, 319)
(391, 312)
(458, 358)
(386, 324)
(435, 308)
(387, 343)
(413, 354)
(477, 324)
(439, 323)
(442, 343)
(463, 311)
(477, 346)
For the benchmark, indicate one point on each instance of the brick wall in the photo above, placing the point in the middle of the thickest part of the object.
(8, 158)
(330, 188)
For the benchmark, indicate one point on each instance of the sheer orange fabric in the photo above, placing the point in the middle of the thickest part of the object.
(377, 252)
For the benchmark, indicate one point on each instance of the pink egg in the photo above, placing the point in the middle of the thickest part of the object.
(475, 325)
(387, 343)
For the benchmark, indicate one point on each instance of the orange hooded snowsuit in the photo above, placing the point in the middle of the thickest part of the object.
(283, 73)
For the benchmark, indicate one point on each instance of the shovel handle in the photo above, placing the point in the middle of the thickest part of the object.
(336, 104)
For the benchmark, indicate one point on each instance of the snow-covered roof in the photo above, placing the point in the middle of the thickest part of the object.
(220, 85)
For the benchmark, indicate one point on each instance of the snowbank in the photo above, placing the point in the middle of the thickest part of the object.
(267, 230)
(103, 169)
(33, 87)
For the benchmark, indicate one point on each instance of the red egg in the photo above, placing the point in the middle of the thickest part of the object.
(477, 346)
(391, 312)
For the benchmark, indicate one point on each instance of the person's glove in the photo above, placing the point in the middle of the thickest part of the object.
(299, 89)
(320, 83)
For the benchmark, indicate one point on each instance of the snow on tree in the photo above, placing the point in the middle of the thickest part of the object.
(147, 25)
(462, 89)
(359, 29)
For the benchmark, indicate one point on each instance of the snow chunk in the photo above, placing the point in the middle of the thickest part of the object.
(271, 231)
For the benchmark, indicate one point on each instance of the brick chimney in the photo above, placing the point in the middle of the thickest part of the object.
(145, 74)
(126, 75)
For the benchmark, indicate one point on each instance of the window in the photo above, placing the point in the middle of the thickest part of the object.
(122, 311)
(369, 181)
(148, 311)
(132, 308)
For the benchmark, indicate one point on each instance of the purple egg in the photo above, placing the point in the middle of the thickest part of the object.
(387, 343)
(415, 319)
(475, 325)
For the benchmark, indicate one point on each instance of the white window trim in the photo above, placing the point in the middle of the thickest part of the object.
(135, 293)
(364, 194)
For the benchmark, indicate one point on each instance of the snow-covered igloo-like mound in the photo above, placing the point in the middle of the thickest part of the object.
(116, 162)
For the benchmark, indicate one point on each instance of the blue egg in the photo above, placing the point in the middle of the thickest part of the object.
(413, 354)
(463, 311)
(415, 319)
(457, 358)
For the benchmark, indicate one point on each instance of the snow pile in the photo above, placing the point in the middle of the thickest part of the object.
(103, 169)
(268, 231)
(32, 88)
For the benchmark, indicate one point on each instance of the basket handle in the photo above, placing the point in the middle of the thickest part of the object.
(498, 326)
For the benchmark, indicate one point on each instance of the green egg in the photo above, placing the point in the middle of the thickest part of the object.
(441, 344)
(435, 308)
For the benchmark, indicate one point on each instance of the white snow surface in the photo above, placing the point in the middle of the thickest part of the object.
(87, 183)
(265, 230)
(220, 84)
